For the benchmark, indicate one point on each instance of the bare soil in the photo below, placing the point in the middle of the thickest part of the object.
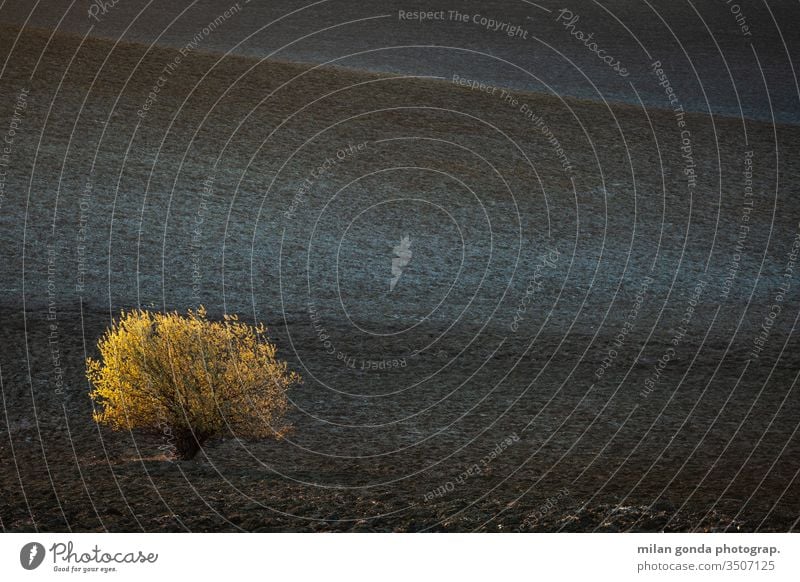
(431, 408)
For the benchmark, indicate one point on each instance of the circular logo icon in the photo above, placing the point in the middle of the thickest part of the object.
(31, 555)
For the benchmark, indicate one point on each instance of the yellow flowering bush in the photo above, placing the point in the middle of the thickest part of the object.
(189, 377)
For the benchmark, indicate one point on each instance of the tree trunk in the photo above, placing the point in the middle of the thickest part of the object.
(187, 444)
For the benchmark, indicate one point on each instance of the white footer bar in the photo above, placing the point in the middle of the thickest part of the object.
(402, 557)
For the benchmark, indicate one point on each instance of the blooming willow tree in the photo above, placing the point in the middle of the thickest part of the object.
(190, 376)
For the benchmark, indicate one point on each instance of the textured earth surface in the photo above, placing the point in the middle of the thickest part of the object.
(485, 390)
